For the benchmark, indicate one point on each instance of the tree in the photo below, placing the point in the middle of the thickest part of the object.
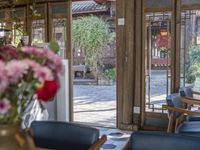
(195, 59)
(90, 34)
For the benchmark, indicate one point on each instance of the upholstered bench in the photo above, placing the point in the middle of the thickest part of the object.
(65, 136)
(142, 140)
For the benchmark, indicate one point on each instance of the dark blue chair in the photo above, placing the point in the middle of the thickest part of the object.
(65, 136)
(189, 94)
(142, 140)
(176, 116)
(174, 100)
(186, 91)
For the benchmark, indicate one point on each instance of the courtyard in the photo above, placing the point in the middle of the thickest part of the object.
(96, 105)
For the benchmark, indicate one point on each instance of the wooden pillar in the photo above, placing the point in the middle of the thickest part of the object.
(125, 42)
(175, 45)
(130, 66)
(69, 54)
(47, 23)
(139, 64)
(50, 21)
(120, 48)
(128, 63)
(28, 23)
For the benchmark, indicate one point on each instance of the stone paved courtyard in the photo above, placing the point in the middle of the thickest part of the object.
(97, 104)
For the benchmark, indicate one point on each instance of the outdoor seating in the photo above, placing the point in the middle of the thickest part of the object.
(142, 140)
(63, 135)
(177, 111)
(188, 92)
(190, 99)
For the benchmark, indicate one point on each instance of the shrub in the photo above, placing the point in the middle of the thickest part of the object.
(110, 74)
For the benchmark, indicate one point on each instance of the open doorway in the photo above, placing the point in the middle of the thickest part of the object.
(94, 63)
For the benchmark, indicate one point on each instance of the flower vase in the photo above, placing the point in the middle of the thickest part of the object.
(11, 138)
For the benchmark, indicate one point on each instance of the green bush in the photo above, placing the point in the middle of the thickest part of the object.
(110, 74)
(91, 34)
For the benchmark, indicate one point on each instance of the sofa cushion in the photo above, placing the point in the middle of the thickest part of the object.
(63, 135)
(189, 128)
(162, 141)
(186, 91)
(194, 118)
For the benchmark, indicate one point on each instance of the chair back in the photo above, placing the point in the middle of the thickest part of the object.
(63, 135)
(142, 140)
(174, 100)
(186, 91)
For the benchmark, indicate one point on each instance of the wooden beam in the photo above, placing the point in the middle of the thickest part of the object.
(139, 65)
(175, 45)
(69, 55)
(128, 94)
(120, 51)
(46, 19)
(125, 62)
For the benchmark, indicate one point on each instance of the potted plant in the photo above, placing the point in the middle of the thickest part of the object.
(26, 74)
(110, 75)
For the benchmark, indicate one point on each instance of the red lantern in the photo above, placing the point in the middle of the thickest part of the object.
(163, 41)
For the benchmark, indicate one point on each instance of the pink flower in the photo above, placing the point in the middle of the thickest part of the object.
(34, 51)
(54, 62)
(43, 74)
(3, 77)
(4, 106)
(15, 70)
(40, 72)
(31, 63)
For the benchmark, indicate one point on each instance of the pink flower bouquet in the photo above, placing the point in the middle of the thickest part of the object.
(26, 74)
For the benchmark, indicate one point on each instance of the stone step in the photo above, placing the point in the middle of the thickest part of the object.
(85, 82)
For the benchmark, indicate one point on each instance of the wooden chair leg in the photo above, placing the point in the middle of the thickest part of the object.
(97, 145)
(171, 120)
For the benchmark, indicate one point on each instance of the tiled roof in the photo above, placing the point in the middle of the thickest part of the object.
(87, 6)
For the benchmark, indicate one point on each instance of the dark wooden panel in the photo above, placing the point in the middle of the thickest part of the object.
(138, 60)
(175, 47)
(120, 47)
(69, 55)
(128, 94)
(190, 2)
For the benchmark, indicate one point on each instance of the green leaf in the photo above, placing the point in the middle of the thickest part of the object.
(54, 46)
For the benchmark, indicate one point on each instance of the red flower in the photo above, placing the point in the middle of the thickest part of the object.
(48, 91)
(1, 58)
(9, 50)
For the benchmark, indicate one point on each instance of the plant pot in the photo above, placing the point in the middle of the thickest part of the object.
(11, 138)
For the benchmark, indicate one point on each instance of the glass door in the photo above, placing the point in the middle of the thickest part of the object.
(157, 59)
(58, 22)
(19, 25)
(190, 49)
(38, 30)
